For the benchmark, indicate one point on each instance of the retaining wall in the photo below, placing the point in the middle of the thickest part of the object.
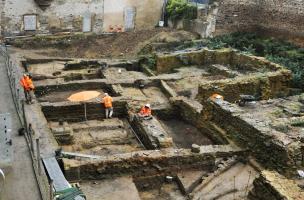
(274, 17)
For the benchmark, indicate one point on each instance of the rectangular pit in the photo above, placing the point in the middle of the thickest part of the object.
(96, 137)
(184, 134)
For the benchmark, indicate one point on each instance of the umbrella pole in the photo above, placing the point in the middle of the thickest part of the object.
(85, 111)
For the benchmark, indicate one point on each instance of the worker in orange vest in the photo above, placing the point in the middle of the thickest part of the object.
(107, 102)
(28, 87)
(145, 111)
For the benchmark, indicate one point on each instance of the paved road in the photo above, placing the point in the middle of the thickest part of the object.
(20, 182)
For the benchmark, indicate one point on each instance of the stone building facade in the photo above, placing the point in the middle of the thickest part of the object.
(21, 17)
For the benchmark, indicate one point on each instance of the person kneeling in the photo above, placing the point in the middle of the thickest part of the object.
(145, 112)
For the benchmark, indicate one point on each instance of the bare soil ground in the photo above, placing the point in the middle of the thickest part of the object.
(232, 184)
(122, 45)
(165, 191)
(183, 134)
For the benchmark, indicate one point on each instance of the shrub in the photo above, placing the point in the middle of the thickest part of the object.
(181, 9)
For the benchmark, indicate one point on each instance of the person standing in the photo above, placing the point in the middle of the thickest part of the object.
(28, 87)
(108, 104)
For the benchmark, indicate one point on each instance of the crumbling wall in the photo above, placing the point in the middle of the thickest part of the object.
(237, 61)
(273, 186)
(138, 163)
(270, 85)
(254, 136)
(262, 77)
(275, 17)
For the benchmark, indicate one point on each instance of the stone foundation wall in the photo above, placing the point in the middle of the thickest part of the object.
(263, 78)
(269, 151)
(269, 85)
(139, 163)
(42, 89)
(237, 61)
(73, 112)
(273, 186)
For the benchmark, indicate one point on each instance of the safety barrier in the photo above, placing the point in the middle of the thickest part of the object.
(14, 73)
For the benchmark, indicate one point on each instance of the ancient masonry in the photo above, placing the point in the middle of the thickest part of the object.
(193, 147)
(275, 17)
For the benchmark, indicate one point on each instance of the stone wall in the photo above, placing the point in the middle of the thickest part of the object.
(270, 85)
(70, 15)
(260, 77)
(138, 163)
(255, 136)
(74, 112)
(275, 17)
(41, 88)
(273, 186)
(236, 61)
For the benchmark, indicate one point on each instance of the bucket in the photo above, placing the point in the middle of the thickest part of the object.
(161, 23)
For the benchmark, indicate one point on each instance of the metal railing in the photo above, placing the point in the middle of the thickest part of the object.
(14, 72)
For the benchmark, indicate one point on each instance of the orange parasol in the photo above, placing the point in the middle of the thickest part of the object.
(83, 97)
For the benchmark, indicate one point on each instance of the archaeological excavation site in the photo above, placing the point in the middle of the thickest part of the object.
(170, 100)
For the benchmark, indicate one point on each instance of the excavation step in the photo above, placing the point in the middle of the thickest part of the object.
(188, 180)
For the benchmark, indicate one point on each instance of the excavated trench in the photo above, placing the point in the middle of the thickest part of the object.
(146, 159)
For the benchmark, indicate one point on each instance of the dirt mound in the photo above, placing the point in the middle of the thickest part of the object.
(178, 36)
(120, 45)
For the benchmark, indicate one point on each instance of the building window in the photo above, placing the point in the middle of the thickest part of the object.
(30, 22)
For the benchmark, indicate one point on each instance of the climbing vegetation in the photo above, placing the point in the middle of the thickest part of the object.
(181, 9)
(275, 50)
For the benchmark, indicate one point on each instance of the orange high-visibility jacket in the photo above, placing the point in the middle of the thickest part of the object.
(24, 84)
(27, 83)
(107, 101)
(145, 111)
(30, 83)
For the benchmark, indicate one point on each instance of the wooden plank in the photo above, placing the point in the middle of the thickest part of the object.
(55, 173)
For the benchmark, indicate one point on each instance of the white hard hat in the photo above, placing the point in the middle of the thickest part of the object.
(24, 74)
(148, 105)
(106, 94)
